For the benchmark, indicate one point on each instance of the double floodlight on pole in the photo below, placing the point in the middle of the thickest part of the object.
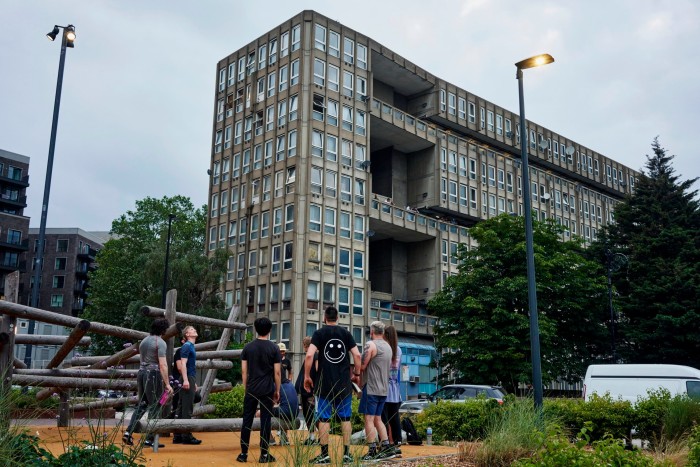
(67, 41)
(538, 60)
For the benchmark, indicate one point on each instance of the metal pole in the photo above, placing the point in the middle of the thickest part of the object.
(45, 205)
(530, 254)
(167, 259)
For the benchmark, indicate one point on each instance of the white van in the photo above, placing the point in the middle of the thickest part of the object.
(629, 382)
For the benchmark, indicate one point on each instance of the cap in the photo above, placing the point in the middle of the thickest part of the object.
(283, 348)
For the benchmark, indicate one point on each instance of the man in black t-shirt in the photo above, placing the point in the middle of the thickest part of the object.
(286, 363)
(260, 368)
(334, 380)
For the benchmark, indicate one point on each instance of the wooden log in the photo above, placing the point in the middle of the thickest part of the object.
(80, 373)
(203, 409)
(169, 425)
(155, 312)
(115, 359)
(7, 330)
(26, 312)
(201, 358)
(104, 403)
(208, 345)
(76, 334)
(38, 339)
(221, 387)
(64, 409)
(60, 382)
(19, 363)
(223, 344)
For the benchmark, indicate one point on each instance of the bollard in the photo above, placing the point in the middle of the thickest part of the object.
(429, 437)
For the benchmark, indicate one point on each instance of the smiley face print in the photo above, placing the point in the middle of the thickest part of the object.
(334, 351)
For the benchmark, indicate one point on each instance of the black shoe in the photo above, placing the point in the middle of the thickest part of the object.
(149, 444)
(266, 458)
(177, 439)
(311, 442)
(127, 439)
(370, 456)
(322, 459)
(385, 452)
(191, 440)
(242, 457)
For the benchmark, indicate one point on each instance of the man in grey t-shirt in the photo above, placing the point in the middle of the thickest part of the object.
(376, 364)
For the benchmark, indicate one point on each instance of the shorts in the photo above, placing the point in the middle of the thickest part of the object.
(370, 404)
(342, 408)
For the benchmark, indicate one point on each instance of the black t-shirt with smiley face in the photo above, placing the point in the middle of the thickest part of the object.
(334, 344)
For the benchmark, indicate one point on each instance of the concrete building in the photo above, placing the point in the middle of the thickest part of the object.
(14, 225)
(341, 173)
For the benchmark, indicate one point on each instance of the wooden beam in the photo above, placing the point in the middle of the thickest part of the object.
(223, 344)
(169, 425)
(104, 403)
(38, 339)
(26, 312)
(60, 382)
(76, 334)
(155, 312)
(7, 335)
(80, 373)
(201, 357)
(19, 363)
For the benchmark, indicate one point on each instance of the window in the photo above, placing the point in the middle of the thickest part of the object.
(61, 245)
(277, 221)
(344, 303)
(279, 183)
(217, 141)
(482, 114)
(222, 79)
(270, 118)
(294, 74)
(348, 83)
(331, 183)
(265, 224)
(472, 169)
(348, 51)
(281, 113)
(224, 202)
(318, 108)
(58, 282)
(241, 68)
(489, 120)
(283, 78)
(288, 253)
(262, 57)
(329, 221)
(317, 143)
(60, 264)
(358, 264)
(284, 45)
(296, 37)
(461, 108)
(359, 191)
(289, 218)
(358, 302)
(331, 148)
(334, 44)
(293, 107)
(362, 56)
(499, 124)
(501, 176)
(314, 218)
(320, 37)
(361, 88)
(360, 123)
(292, 144)
(347, 118)
(359, 228)
(246, 161)
(281, 142)
(273, 51)
(234, 199)
(319, 72)
(253, 263)
(271, 84)
(462, 194)
(254, 226)
(251, 62)
(333, 77)
(345, 189)
(443, 103)
(231, 73)
(276, 256)
(242, 229)
(346, 152)
(343, 262)
(312, 291)
(472, 113)
(452, 162)
(56, 301)
(257, 156)
(332, 112)
(452, 103)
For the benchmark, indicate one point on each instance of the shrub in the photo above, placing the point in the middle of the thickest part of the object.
(456, 421)
(650, 412)
(608, 416)
(694, 448)
(664, 420)
(228, 404)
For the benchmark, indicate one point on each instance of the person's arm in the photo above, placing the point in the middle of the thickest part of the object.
(163, 364)
(308, 361)
(184, 355)
(368, 353)
(278, 382)
(356, 369)
(244, 373)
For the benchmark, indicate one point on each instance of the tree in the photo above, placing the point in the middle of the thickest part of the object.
(131, 267)
(483, 310)
(658, 228)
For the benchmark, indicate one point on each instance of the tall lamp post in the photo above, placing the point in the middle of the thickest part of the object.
(67, 40)
(171, 218)
(538, 60)
(613, 261)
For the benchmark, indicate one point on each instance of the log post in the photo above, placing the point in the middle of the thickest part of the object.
(76, 334)
(223, 343)
(64, 409)
(155, 312)
(19, 363)
(7, 335)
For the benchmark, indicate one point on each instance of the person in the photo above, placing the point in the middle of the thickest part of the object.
(188, 358)
(288, 409)
(286, 363)
(175, 381)
(152, 377)
(260, 369)
(390, 415)
(376, 365)
(334, 388)
(308, 404)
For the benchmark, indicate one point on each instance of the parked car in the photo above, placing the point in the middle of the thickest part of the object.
(414, 406)
(107, 394)
(462, 392)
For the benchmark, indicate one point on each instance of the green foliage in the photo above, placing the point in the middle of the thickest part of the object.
(228, 404)
(605, 415)
(483, 310)
(131, 266)
(513, 433)
(662, 419)
(558, 451)
(19, 449)
(234, 375)
(456, 421)
(28, 400)
(89, 455)
(694, 448)
(657, 228)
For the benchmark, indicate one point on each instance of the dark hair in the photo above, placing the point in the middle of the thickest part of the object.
(393, 339)
(263, 326)
(331, 314)
(159, 326)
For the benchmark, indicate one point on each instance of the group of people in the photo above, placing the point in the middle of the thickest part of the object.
(326, 383)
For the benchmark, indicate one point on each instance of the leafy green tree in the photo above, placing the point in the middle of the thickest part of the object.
(131, 266)
(658, 228)
(483, 310)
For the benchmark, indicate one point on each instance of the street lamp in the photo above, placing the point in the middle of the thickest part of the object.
(613, 262)
(67, 40)
(531, 62)
(171, 218)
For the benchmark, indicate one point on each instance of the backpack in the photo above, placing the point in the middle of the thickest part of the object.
(412, 436)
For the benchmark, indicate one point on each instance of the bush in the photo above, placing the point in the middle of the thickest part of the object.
(694, 448)
(228, 404)
(608, 416)
(456, 421)
(662, 419)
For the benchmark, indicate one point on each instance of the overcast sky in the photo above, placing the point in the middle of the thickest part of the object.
(139, 86)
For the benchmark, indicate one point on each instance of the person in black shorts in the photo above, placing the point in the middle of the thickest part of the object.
(308, 402)
(334, 388)
(260, 368)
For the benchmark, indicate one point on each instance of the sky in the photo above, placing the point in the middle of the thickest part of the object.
(139, 87)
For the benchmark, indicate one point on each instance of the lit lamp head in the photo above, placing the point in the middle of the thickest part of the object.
(70, 35)
(532, 62)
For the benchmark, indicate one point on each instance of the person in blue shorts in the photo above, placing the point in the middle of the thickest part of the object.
(334, 379)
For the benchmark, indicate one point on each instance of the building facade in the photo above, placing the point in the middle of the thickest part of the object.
(14, 225)
(343, 174)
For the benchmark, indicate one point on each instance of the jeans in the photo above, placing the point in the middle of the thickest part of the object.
(150, 387)
(186, 401)
(250, 406)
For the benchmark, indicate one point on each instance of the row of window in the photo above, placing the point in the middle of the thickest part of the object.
(329, 111)
(327, 75)
(238, 230)
(13, 173)
(329, 41)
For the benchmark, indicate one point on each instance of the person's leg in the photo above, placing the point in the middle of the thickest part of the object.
(266, 405)
(187, 405)
(250, 405)
(141, 407)
(153, 391)
(323, 412)
(385, 421)
(392, 411)
(343, 410)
